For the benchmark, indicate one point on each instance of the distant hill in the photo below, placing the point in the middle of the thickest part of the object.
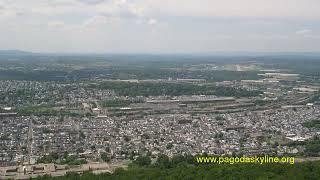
(169, 57)
(15, 53)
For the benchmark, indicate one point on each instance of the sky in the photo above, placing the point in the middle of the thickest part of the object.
(160, 26)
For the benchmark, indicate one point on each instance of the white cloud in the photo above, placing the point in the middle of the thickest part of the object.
(271, 36)
(120, 9)
(308, 34)
(56, 24)
(223, 36)
(138, 25)
(92, 1)
(313, 36)
(303, 31)
(197, 8)
(152, 21)
(233, 8)
(95, 22)
(10, 12)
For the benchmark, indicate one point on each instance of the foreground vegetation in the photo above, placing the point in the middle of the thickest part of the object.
(184, 168)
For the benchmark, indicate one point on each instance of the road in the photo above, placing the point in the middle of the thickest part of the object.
(30, 137)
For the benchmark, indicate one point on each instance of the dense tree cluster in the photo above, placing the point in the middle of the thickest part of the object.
(104, 156)
(312, 146)
(43, 111)
(65, 159)
(173, 89)
(115, 103)
(312, 124)
(155, 72)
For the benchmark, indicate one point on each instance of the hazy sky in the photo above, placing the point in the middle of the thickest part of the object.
(160, 26)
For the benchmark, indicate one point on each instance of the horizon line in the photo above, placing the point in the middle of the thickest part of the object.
(163, 53)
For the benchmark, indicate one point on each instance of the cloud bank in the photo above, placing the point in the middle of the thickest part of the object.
(164, 26)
